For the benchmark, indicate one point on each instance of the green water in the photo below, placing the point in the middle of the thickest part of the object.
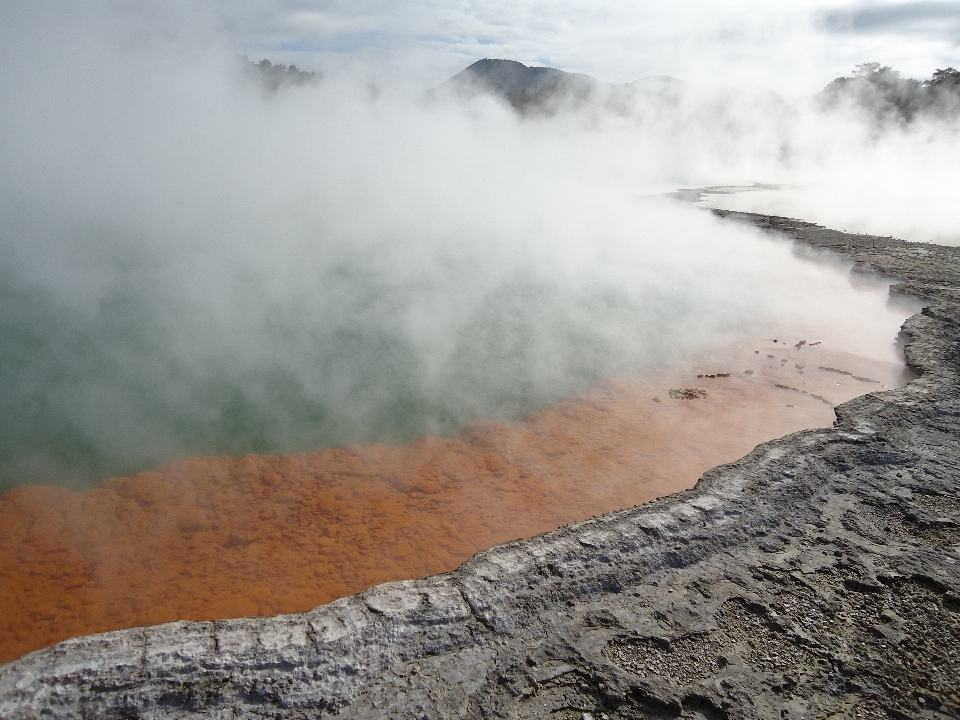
(134, 375)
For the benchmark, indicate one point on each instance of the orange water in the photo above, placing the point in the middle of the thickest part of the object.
(219, 537)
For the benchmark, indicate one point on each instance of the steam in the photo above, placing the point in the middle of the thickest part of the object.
(193, 266)
(873, 153)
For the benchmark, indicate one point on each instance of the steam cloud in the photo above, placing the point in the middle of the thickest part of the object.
(192, 265)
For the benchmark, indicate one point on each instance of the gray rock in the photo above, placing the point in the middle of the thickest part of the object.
(817, 578)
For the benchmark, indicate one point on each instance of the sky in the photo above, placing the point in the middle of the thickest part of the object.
(793, 46)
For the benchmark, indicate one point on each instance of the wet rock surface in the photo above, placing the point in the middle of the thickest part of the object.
(816, 577)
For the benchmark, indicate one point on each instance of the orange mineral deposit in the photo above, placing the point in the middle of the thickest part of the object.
(218, 537)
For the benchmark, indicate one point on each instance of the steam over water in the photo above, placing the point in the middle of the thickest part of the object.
(195, 265)
(126, 357)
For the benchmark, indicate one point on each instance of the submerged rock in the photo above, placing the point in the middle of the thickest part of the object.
(815, 577)
(688, 393)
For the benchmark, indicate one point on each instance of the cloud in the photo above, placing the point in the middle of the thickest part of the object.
(931, 19)
(789, 45)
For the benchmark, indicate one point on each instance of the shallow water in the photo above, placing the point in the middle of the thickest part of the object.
(218, 537)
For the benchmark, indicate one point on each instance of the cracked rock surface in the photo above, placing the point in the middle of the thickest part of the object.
(815, 578)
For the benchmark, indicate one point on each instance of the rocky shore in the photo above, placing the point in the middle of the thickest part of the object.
(817, 577)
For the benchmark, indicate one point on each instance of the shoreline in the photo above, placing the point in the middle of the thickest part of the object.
(213, 538)
(816, 575)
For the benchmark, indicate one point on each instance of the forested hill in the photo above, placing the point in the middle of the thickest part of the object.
(883, 92)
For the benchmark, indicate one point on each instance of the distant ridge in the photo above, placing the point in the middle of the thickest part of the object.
(546, 90)
(526, 88)
(878, 91)
(529, 90)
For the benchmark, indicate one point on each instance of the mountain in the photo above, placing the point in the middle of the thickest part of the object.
(549, 91)
(527, 89)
